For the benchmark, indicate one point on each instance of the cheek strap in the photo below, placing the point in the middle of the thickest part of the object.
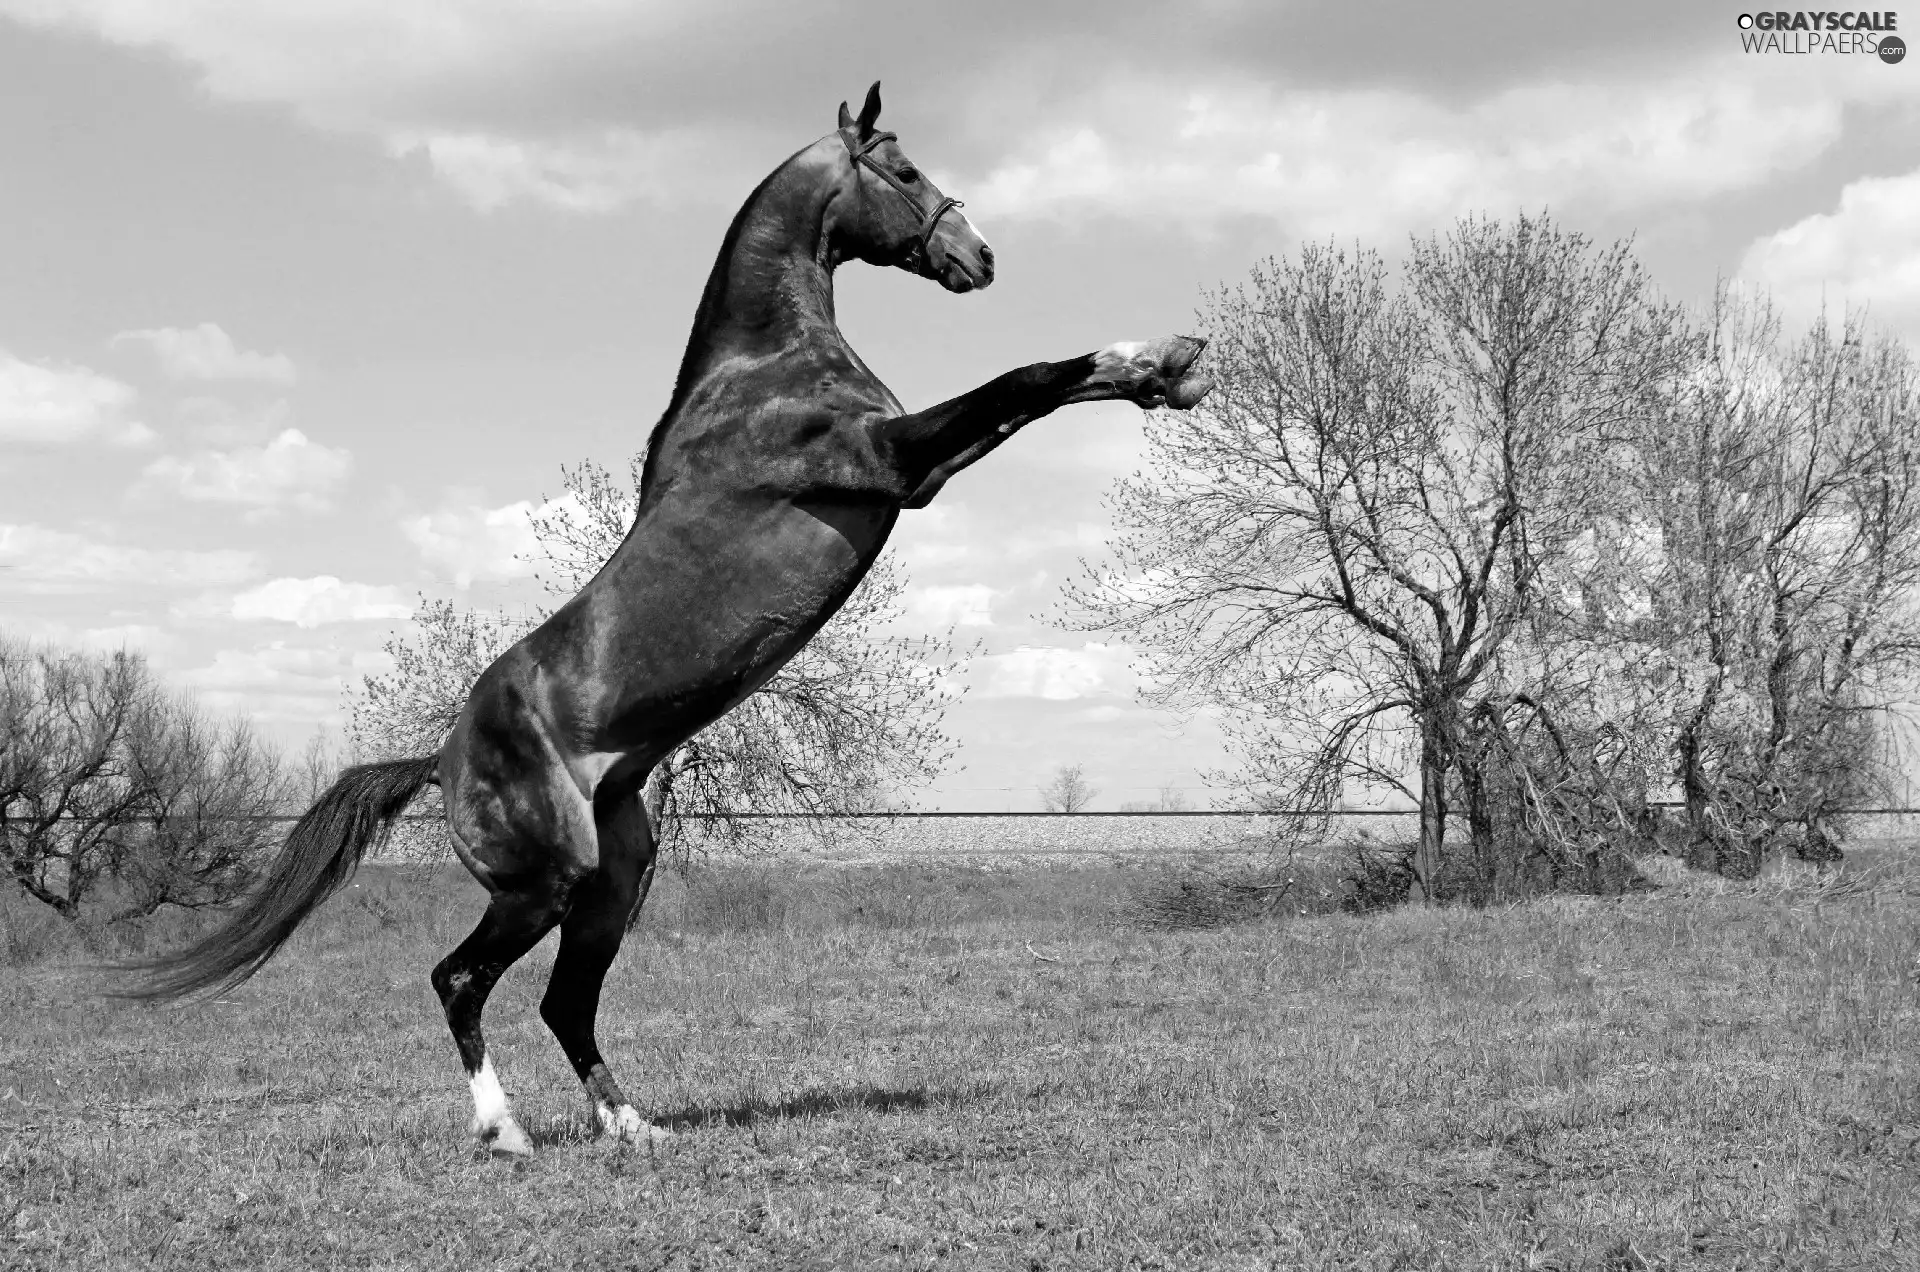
(862, 153)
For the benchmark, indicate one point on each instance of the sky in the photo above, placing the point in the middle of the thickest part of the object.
(303, 305)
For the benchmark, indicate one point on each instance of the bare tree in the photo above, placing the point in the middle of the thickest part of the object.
(1738, 619)
(68, 789)
(1840, 643)
(319, 765)
(848, 722)
(411, 709)
(208, 791)
(1069, 791)
(1244, 557)
(1338, 545)
(1566, 769)
(1786, 489)
(1171, 799)
(109, 786)
(1545, 353)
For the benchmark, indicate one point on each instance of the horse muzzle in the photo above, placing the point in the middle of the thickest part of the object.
(962, 266)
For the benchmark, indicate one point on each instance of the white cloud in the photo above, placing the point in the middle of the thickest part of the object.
(288, 472)
(141, 638)
(215, 423)
(342, 63)
(279, 682)
(932, 553)
(472, 543)
(38, 560)
(1865, 252)
(513, 102)
(961, 605)
(208, 353)
(935, 536)
(1371, 162)
(402, 72)
(592, 172)
(323, 599)
(53, 404)
(1094, 670)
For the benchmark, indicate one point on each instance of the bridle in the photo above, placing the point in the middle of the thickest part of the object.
(929, 221)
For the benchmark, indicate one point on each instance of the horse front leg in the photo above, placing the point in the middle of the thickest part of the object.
(932, 445)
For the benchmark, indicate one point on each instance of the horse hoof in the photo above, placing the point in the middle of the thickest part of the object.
(1185, 394)
(507, 1140)
(626, 1125)
(1179, 353)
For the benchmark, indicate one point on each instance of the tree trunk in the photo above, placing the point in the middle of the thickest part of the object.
(1818, 843)
(1433, 816)
(1703, 846)
(653, 796)
(1473, 793)
(36, 889)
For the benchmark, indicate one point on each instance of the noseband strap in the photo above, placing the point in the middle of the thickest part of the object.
(929, 220)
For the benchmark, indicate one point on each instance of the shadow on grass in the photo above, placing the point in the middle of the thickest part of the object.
(814, 1103)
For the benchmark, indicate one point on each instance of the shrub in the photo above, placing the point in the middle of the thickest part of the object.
(116, 792)
(1196, 898)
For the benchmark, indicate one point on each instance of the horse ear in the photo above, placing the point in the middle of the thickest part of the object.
(846, 116)
(870, 109)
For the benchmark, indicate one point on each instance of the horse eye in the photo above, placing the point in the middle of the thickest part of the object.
(909, 173)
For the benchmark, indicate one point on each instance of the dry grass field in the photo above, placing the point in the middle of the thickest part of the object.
(914, 1067)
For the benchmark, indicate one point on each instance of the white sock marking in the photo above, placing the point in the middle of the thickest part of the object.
(489, 1101)
(1117, 361)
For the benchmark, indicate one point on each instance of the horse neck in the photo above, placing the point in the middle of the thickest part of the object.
(773, 282)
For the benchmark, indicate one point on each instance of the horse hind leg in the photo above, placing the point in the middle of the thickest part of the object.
(515, 921)
(589, 939)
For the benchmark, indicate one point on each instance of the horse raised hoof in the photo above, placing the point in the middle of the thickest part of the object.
(1156, 372)
(626, 1125)
(1183, 387)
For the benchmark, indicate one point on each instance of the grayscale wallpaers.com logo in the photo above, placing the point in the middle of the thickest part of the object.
(1828, 32)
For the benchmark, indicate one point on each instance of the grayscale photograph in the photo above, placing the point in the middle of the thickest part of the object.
(1002, 636)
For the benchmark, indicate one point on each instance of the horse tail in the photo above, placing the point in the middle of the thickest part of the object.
(320, 855)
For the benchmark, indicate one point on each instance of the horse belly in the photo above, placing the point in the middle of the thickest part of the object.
(674, 678)
(703, 604)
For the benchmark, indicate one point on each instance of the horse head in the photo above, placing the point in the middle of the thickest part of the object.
(897, 217)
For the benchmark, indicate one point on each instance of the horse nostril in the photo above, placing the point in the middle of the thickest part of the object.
(986, 259)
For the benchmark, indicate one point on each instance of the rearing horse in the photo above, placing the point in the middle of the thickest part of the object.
(770, 486)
